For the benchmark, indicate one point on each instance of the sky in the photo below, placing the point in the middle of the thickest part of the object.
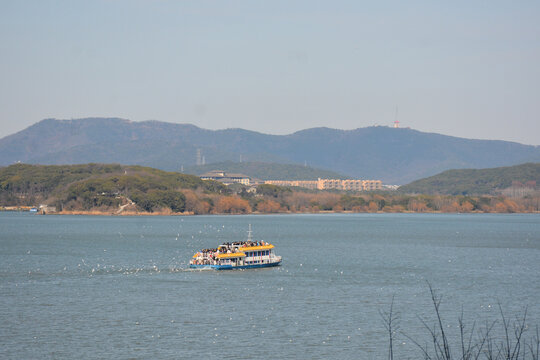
(462, 68)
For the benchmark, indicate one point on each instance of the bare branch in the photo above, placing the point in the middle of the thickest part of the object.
(390, 320)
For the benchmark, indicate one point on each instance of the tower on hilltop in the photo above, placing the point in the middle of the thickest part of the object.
(396, 121)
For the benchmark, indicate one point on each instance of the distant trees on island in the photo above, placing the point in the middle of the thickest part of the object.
(117, 189)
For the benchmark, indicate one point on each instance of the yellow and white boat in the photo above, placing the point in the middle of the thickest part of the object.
(238, 255)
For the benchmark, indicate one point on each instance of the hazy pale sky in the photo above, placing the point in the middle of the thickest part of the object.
(462, 68)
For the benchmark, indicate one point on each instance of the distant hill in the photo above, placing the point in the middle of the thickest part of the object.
(475, 182)
(267, 171)
(396, 156)
(106, 186)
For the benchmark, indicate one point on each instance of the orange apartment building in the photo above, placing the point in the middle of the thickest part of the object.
(327, 184)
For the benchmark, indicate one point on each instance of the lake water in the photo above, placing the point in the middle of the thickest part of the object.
(94, 287)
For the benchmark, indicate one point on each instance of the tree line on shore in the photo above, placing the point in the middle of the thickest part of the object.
(135, 189)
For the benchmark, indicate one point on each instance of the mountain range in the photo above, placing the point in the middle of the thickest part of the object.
(393, 155)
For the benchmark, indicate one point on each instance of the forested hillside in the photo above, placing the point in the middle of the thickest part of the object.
(103, 186)
(130, 190)
(477, 181)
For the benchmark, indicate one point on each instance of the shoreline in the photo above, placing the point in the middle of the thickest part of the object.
(170, 213)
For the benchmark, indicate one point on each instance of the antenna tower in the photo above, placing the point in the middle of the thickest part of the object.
(199, 160)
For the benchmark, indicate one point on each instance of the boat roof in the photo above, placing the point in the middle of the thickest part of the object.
(255, 248)
(232, 255)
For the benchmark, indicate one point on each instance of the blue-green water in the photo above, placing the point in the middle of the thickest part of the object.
(118, 287)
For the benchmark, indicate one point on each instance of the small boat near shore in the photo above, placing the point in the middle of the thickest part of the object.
(238, 255)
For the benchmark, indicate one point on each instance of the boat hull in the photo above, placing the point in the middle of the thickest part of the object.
(230, 267)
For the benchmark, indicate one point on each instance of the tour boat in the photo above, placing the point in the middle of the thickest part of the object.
(238, 255)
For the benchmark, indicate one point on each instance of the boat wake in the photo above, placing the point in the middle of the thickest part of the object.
(137, 270)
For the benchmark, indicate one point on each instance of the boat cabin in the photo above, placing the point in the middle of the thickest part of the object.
(261, 254)
(234, 259)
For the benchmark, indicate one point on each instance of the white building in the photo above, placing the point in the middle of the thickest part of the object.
(226, 178)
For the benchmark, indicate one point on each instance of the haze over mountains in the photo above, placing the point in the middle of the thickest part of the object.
(396, 156)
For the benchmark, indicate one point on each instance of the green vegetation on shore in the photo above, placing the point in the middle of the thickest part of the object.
(476, 181)
(99, 186)
(119, 189)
